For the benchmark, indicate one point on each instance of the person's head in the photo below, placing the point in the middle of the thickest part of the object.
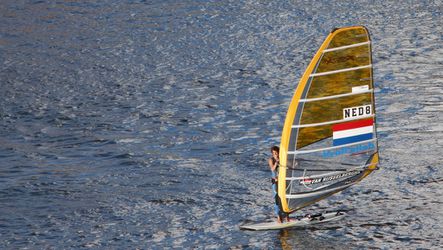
(275, 151)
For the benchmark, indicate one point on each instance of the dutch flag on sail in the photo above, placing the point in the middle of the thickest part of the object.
(354, 131)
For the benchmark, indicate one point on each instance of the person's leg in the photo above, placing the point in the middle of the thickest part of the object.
(276, 205)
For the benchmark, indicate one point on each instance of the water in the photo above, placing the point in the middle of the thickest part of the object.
(147, 124)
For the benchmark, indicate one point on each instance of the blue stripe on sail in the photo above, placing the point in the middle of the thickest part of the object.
(352, 139)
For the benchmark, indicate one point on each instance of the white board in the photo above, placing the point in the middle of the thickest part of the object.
(330, 216)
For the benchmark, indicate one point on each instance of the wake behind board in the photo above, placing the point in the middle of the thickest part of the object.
(305, 221)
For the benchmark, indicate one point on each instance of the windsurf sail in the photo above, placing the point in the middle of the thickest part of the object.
(329, 139)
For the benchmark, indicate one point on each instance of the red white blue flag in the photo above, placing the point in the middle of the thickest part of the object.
(353, 131)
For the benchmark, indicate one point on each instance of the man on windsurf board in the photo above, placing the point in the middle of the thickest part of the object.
(273, 162)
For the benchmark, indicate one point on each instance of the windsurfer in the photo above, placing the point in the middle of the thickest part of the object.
(273, 162)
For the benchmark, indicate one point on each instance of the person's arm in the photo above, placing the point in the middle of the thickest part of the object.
(272, 166)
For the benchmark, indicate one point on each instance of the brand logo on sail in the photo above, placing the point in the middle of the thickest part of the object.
(311, 181)
(360, 111)
(351, 150)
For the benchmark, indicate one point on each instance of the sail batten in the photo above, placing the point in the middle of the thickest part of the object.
(336, 96)
(298, 152)
(347, 46)
(341, 70)
(321, 175)
(331, 122)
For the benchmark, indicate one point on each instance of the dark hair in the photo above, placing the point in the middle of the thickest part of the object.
(275, 148)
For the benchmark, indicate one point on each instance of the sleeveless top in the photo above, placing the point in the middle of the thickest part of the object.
(275, 172)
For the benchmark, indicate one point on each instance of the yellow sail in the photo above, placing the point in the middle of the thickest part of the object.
(329, 139)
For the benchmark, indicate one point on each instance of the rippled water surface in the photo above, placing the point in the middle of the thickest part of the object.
(147, 124)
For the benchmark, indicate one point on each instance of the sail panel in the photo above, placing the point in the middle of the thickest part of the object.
(332, 109)
(330, 124)
(339, 83)
(325, 111)
(348, 36)
(344, 59)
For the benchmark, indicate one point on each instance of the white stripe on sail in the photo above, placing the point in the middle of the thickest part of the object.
(341, 70)
(329, 122)
(298, 152)
(353, 132)
(362, 167)
(310, 194)
(336, 96)
(322, 175)
(347, 46)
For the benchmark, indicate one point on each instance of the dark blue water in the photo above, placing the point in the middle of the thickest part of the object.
(147, 124)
